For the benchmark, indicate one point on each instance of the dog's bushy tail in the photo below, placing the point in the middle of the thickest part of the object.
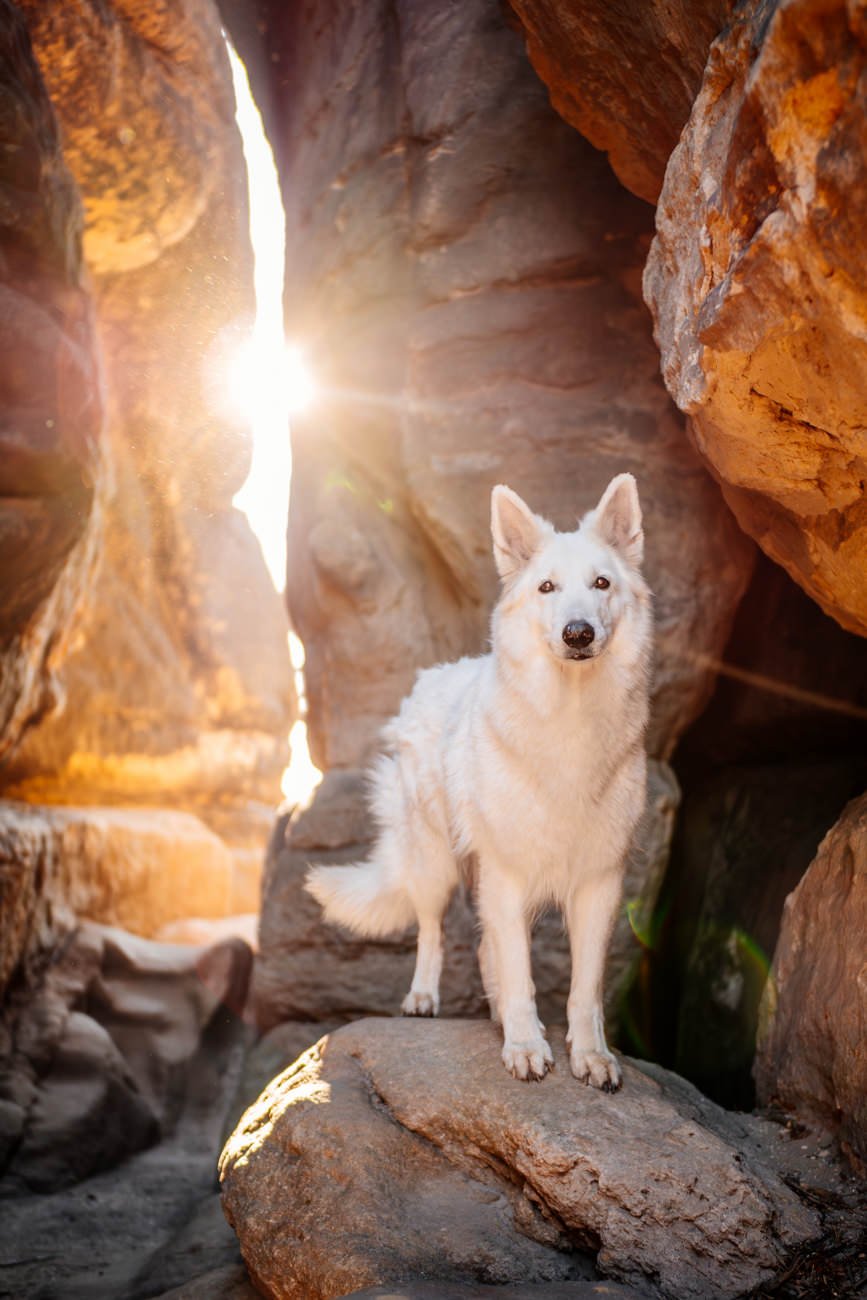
(366, 897)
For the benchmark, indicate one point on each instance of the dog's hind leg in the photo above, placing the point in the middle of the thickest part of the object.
(430, 882)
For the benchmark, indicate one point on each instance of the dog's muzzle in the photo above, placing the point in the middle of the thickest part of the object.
(578, 634)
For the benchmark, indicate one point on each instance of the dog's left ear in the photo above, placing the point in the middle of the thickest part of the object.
(617, 518)
(517, 532)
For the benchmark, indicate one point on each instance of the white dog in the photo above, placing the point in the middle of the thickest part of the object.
(529, 760)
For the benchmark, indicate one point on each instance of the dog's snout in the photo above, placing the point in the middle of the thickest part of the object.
(578, 634)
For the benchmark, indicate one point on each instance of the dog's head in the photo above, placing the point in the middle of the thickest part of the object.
(572, 588)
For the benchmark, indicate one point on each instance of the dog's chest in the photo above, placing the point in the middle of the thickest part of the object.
(546, 792)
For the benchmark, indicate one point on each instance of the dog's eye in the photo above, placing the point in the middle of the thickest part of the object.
(546, 586)
(602, 583)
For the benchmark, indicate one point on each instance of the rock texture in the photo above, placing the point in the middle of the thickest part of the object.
(50, 448)
(458, 1291)
(812, 1052)
(132, 868)
(746, 837)
(468, 1175)
(455, 348)
(624, 73)
(94, 1055)
(181, 680)
(153, 1223)
(310, 970)
(755, 282)
(144, 102)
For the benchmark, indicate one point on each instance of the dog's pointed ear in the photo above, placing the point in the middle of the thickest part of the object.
(517, 532)
(617, 518)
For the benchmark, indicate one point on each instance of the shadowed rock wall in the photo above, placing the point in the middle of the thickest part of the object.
(50, 449)
(624, 73)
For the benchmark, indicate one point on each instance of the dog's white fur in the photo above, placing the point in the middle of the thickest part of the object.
(530, 760)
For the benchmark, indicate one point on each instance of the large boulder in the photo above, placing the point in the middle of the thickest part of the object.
(457, 346)
(755, 282)
(624, 72)
(402, 1149)
(308, 969)
(812, 1050)
(50, 444)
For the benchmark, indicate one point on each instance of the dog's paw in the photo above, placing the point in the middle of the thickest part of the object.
(600, 1069)
(420, 1004)
(528, 1060)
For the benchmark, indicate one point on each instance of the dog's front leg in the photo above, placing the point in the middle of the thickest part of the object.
(590, 913)
(505, 932)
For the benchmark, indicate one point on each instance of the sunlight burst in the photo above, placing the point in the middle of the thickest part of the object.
(266, 380)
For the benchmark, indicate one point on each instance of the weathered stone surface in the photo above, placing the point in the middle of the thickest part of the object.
(755, 281)
(140, 90)
(745, 837)
(154, 1222)
(455, 348)
(181, 681)
(227, 1283)
(134, 868)
(50, 449)
(94, 1055)
(624, 72)
(812, 1050)
(464, 1174)
(458, 1291)
(307, 969)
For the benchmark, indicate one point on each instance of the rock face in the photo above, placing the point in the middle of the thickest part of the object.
(746, 837)
(50, 450)
(308, 969)
(94, 1057)
(181, 681)
(812, 1052)
(435, 1163)
(154, 1222)
(456, 348)
(755, 283)
(134, 868)
(624, 73)
(144, 103)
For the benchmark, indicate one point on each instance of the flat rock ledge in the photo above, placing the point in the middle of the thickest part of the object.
(397, 1151)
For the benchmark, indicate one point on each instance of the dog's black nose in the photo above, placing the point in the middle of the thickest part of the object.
(578, 634)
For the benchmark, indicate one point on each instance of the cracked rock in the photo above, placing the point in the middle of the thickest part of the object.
(395, 1150)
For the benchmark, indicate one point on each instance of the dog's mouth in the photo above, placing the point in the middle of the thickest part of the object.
(581, 654)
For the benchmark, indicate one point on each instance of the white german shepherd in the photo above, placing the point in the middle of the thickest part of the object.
(529, 760)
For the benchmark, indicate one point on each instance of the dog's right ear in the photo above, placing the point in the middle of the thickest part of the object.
(517, 532)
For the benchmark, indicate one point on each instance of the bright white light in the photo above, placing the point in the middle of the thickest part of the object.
(301, 777)
(258, 378)
(267, 384)
(266, 381)
(299, 380)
